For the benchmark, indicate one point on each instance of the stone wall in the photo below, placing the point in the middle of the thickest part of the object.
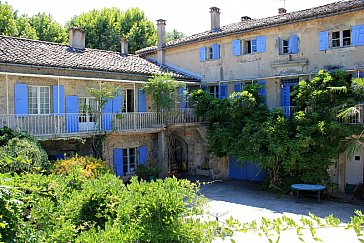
(69, 147)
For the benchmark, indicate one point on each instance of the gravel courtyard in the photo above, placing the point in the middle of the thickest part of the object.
(246, 202)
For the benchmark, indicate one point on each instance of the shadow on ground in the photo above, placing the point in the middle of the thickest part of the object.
(244, 197)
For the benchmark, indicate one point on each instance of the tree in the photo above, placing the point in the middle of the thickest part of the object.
(174, 35)
(25, 29)
(7, 20)
(105, 27)
(163, 89)
(47, 29)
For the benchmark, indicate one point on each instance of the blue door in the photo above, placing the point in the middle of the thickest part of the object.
(246, 171)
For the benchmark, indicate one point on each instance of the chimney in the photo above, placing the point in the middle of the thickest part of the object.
(161, 28)
(245, 18)
(282, 11)
(124, 46)
(77, 37)
(215, 18)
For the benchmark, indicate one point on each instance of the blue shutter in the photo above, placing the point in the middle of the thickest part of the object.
(116, 102)
(204, 88)
(142, 101)
(223, 91)
(358, 35)
(215, 51)
(107, 115)
(118, 161)
(236, 47)
(72, 113)
(21, 99)
(285, 99)
(279, 46)
(260, 43)
(263, 91)
(324, 40)
(181, 91)
(293, 44)
(58, 101)
(203, 54)
(237, 87)
(361, 75)
(143, 154)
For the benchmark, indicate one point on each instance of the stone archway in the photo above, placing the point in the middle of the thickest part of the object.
(179, 154)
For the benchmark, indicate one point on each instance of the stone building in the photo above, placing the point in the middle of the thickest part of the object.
(44, 90)
(277, 52)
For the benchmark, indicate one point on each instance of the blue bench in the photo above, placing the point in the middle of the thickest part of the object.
(308, 187)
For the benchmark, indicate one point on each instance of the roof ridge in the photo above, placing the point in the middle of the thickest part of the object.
(203, 35)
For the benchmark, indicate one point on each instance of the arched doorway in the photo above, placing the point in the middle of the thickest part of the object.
(179, 154)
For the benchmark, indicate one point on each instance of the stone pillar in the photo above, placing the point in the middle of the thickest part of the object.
(163, 163)
(161, 28)
(215, 18)
(77, 37)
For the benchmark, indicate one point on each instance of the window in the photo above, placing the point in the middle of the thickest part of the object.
(285, 46)
(250, 46)
(87, 107)
(209, 53)
(129, 161)
(39, 100)
(128, 103)
(340, 38)
(214, 91)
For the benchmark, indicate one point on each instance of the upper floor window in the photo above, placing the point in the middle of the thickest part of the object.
(288, 45)
(341, 38)
(248, 46)
(128, 102)
(210, 53)
(39, 100)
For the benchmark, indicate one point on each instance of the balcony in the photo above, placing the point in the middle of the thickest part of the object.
(67, 125)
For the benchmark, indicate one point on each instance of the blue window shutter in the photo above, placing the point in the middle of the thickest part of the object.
(203, 54)
(107, 115)
(237, 87)
(143, 154)
(58, 101)
(72, 113)
(263, 91)
(236, 47)
(182, 95)
(215, 51)
(118, 161)
(324, 40)
(279, 46)
(361, 74)
(142, 101)
(293, 44)
(260, 43)
(204, 88)
(116, 102)
(223, 91)
(21, 99)
(286, 99)
(358, 35)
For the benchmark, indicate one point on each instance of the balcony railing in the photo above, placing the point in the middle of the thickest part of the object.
(83, 123)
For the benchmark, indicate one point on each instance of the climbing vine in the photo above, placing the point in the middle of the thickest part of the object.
(295, 149)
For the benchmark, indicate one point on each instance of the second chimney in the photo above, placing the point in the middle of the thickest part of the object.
(77, 37)
(282, 11)
(161, 28)
(215, 18)
(124, 46)
(245, 18)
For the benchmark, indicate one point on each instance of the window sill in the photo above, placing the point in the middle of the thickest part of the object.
(298, 62)
(340, 49)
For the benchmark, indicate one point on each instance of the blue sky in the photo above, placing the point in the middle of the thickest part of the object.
(187, 16)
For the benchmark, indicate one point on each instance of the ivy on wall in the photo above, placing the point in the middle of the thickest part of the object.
(295, 149)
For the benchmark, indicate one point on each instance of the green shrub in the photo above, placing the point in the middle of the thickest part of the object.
(20, 152)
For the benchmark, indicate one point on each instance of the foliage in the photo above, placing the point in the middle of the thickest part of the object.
(89, 167)
(163, 89)
(20, 152)
(174, 35)
(38, 27)
(104, 94)
(105, 27)
(297, 149)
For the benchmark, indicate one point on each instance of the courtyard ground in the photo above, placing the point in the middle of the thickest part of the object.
(246, 202)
